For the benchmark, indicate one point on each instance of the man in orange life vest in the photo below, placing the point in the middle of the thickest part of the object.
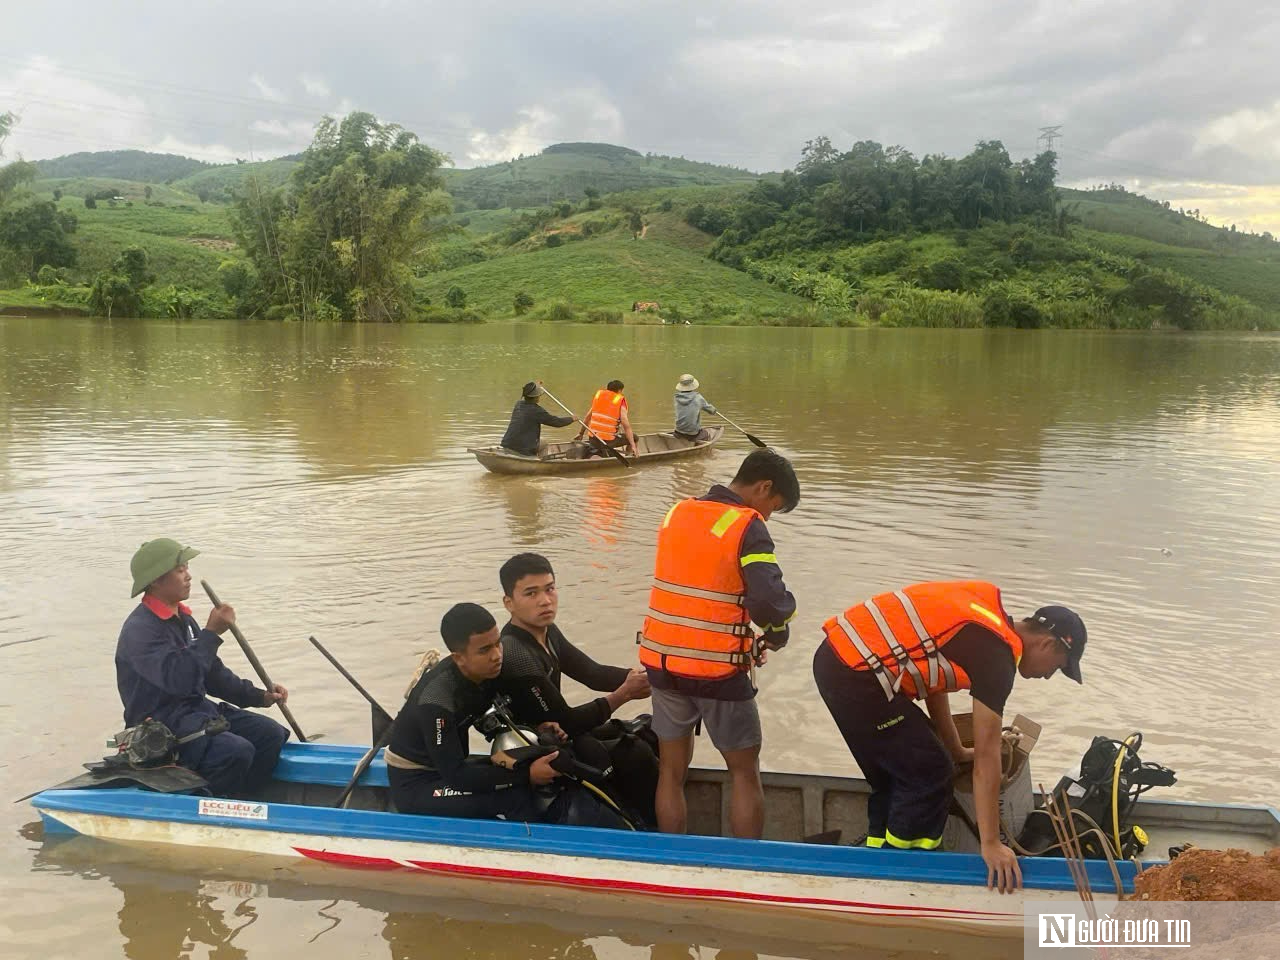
(715, 574)
(609, 420)
(921, 643)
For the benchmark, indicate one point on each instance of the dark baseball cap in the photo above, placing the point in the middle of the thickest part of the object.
(1065, 624)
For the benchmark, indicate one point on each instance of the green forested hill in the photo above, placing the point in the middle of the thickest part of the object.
(870, 236)
(610, 273)
(220, 183)
(121, 165)
(564, 171)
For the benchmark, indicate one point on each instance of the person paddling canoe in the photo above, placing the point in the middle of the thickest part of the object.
(524, 432)
(167, 667)
(689, 406)
(609, 420)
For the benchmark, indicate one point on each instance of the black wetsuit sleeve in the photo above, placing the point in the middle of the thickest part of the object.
(594, 676)
(446, 749)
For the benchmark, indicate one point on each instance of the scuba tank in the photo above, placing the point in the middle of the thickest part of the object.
(1111, 778)
(584, 762)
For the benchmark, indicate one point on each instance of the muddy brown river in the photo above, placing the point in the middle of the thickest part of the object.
(322, 472)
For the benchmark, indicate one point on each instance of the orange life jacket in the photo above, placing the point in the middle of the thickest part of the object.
(606, 414)
(698, 625)
(902, 636)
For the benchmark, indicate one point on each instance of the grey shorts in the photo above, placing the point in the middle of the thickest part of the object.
(731, 724)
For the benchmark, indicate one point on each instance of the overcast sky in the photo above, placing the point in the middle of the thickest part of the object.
(1178, 99)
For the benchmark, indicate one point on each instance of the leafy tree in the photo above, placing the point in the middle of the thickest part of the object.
(636, 222)
(112, 293)
(90, 203)
(709, 219)
(354, 216)
(35, 234)
(146, 191)
(47, 275)
(237, 279)
(945, 274)
(593, 197)
(456, 297)
(57, 194)
(816, 153)
(522, 302)
(133, 265)
(14, 174)
(554, 240)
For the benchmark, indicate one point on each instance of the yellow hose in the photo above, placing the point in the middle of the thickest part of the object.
(1115, 790)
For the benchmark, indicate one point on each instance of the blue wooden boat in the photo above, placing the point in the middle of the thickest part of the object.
(779, 878)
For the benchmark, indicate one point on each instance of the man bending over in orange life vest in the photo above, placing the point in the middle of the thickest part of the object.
(921, 643)
(715, 575)
(609, 420)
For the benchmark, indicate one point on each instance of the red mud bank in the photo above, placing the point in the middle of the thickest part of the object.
(1213, 875)
(1240, 930)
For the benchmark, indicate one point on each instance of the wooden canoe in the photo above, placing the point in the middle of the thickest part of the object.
(572, 457)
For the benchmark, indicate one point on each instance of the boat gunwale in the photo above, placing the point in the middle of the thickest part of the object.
(342, 757)
(498, 459)
(726, 853)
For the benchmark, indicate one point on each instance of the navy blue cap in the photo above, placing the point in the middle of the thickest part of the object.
(1066, 625)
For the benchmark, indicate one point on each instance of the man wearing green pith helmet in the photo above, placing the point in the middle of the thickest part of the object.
(167, 667)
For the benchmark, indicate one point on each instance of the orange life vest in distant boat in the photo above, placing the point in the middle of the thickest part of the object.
(902, 636)
(698, 625)
(606, 414)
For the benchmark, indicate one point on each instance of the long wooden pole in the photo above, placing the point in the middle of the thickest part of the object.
(750, 436)
(383, 716)
(256, 664)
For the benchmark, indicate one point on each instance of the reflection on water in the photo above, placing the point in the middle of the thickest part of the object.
(323, 472)
(173, 904)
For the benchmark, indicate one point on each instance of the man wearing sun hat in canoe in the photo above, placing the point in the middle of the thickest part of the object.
(924, 642)
(689, 406)
(524, 432)
(167, 667)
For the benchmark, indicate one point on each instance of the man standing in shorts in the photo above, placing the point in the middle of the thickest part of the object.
(715, 575)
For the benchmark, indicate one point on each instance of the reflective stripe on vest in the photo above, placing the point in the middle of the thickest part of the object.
(900, 636)
(690, 653)
(877, 667)
(899, 654)
(737, 629)
(937, 660)
(697, 625)
(605, 415)
(695, 592)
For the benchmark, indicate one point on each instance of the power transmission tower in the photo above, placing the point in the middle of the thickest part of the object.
(1048, 135)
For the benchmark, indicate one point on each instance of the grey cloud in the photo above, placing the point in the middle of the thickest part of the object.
(1135, 85)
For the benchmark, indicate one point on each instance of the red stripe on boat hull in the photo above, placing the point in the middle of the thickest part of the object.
(651, 889)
